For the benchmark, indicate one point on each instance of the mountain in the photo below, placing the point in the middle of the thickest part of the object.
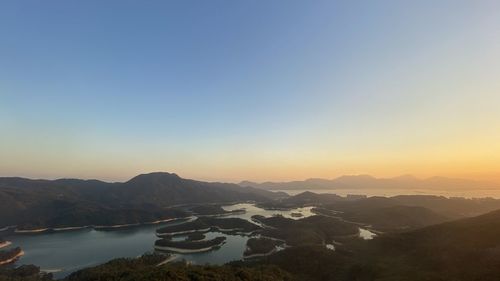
(460, 250)
(73, 202)
(395, 217)
(397, 213)
(450, 208)
(466, 249)
(369, 182)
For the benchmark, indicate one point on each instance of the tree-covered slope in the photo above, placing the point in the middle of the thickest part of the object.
(69, 202)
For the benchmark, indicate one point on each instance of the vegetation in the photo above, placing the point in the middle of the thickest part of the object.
(3, 243)
(308, 263)
(310, 230)
(416, 245)
(70, 202)
(231, 224)
(396, 218)
(462, 250)
(203, 224)
(199, 225)
(191, 245)
(197, 236)
(145, 269)
(23, 273)
(448, 208)
(261, 245)
(7, 255)
(212, 210)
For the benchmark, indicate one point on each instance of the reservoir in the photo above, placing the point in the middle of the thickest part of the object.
(64, 252)
(67, 251)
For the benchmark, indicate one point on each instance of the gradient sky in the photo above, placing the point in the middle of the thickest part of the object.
(257, 90)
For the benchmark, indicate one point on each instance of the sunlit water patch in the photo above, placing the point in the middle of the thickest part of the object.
(252, 210)
(366, 234)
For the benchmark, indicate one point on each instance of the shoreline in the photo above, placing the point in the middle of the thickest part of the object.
(167, 260)
(38, 230)
(13, 259)
(259, 255)
(69, 228)
(275, 250)
(7, 228)
(187, 251)
(99, 227)
(48, 270)
(5, 244)
(226, 214)
(177, 233)
(95, 227)
(238, 230)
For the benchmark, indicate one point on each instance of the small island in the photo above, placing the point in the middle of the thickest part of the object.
(196, 236)
(185, 247)
(276, 206)
(206, 224)
(10, 256)
(4, 243)
(214, 211)
(259, 247)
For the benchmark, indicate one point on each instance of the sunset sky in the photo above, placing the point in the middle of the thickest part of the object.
(250, 90)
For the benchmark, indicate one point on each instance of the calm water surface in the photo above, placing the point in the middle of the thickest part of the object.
(65, 252)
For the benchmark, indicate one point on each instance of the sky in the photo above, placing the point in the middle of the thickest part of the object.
(249, 90)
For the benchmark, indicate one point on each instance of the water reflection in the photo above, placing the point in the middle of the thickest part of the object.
(366, 234)
(65, 252)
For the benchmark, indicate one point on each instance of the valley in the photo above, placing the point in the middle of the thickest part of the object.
(345, 230)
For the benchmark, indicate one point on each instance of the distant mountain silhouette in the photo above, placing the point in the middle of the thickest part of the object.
(74, 202)
(369, 182)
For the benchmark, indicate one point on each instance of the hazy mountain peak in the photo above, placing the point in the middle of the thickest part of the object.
(406, 177)
(364, 181)
(362, 176)
(247, 183)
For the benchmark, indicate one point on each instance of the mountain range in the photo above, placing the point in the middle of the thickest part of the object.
(147, 197)
(370, 182)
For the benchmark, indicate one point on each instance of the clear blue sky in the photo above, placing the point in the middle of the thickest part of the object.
(231, 90)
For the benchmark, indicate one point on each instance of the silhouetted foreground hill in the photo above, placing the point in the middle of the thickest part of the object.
(145, 198)
(148, 268)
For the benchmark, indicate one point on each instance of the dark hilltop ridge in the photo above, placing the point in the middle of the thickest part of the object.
(368, 182)
(147, 198)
